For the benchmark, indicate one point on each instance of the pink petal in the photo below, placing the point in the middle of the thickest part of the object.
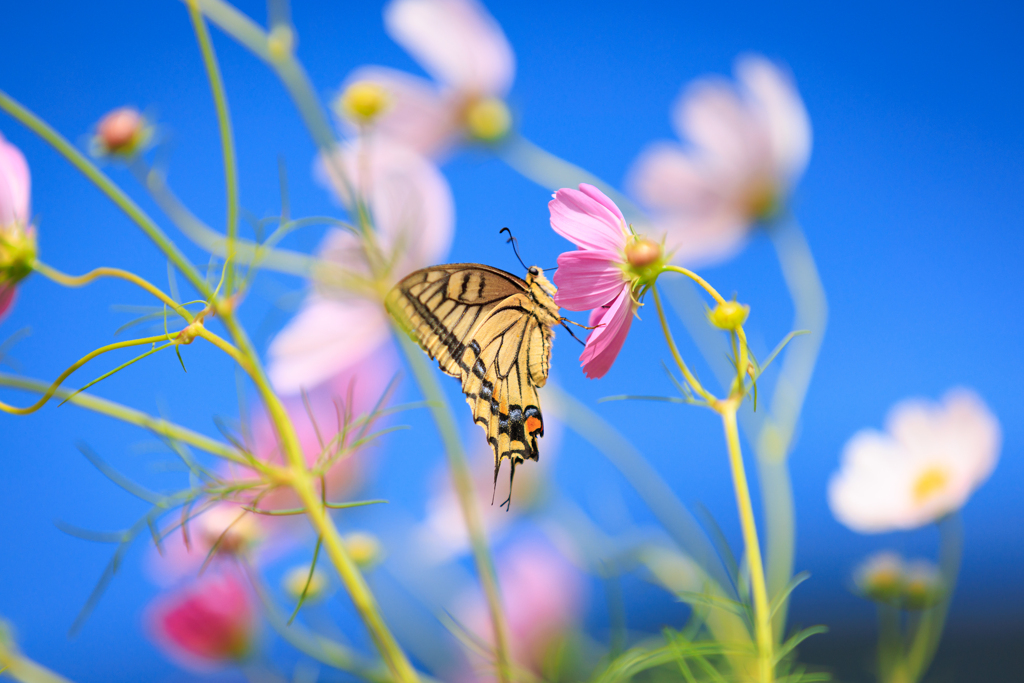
(603, 200)
(457, 41)
(664, 177)
(326, 337)
(417, 114)
(785, 118)
(587, 222)
(6, 298)
(587, 279)
(705, 238)
(15, 185)
(604, 343)
(411, 202)
(711, 115)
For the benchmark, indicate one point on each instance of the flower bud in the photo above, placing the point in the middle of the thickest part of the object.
(280, 42)
(295, 579)
(642, 252)
(364, 549)
(228, 527)
(17, 253)
(488, 119)
(122, 132)
(880, 577)
(922, 585)
(728, 315)
(362, 101)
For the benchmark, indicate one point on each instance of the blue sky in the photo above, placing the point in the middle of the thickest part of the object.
(912, 204)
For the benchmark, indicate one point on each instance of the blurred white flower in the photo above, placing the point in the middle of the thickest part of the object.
(748, 145)
(464, 49)
(344, 323)
(927, 465)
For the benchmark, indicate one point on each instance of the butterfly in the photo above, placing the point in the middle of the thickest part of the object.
(493, 331)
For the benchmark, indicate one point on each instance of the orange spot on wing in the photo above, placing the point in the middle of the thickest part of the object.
(533, 424)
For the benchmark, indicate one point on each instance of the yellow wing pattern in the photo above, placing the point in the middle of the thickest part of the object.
(492, 330)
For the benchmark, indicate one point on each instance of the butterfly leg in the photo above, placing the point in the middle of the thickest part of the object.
(511, 476)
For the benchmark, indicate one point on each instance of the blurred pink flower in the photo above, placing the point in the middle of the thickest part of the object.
(343, 323)
(931, 460)
(16, 235)
(464, 49)
(208, 623)
(594, 276)
(543, 596)
(749, 145)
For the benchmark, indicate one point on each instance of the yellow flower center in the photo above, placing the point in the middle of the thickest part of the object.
(362, 101)
(930, 482)
(488, 119)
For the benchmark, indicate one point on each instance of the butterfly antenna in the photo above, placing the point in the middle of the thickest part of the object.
(515, 246)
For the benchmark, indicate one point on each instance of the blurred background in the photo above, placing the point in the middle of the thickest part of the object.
(912, 204)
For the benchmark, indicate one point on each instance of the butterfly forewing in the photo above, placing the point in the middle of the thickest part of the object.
(492, 330)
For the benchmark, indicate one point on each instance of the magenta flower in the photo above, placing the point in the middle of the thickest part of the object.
(747, 146)
(207, 624)
(596, 275)
(464, 49)
(17, 237)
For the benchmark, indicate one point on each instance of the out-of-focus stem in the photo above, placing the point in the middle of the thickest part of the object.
(462, 481)
(550, 171)
(109, 188)
(762, 614)
(227, 139)
(21, 668)
(156, 425)
(775, 438)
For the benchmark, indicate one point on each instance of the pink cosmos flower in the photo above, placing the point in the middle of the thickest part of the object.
(748, 146)
(594, 276)
(461, 45)
(543, 596)
(15, 231)
(927, 464)
(343, 323)
(209, 623)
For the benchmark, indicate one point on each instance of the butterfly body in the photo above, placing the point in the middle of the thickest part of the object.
(493, 331)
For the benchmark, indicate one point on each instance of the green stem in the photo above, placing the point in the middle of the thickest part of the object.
(691, 379)
(762, 614)
(109, 188)
(462, 482)
(227, 139)
(21, 668)
(156, 425)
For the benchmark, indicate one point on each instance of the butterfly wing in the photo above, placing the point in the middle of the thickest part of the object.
(481, 325)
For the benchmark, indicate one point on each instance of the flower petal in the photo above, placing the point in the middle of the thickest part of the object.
(587, 279)
(456, 41)
(604, 343)
(326, 337)
(665, 177)
(703, 239)
(410, 199)
(6, 299)
(15, 185)
(587, 222)
(417, 115)
(711, 115)
(785, 118)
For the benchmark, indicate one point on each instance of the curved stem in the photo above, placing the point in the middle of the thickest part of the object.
(96, 273)
(690, 378)
(48, 394)
(21, 668)
(108, 187)
(462, 482)
(698, 279)
(227, 140)
(762, 613)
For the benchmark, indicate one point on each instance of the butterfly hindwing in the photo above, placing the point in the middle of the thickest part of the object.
(492, 330)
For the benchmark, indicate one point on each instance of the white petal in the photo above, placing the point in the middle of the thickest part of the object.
(457, 41)
(785, 118)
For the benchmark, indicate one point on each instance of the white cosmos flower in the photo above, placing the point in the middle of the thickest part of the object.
(927, 464)
(414, 217)
(746, 146)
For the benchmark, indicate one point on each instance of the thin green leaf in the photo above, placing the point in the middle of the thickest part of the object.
(715, 601)
(220, 539)
(88, 534)
(124, 482)
(177, 350)
(302, 511)
(779, 599)
(105, 375)
(664, 399)
(309, 579)
(796, 639)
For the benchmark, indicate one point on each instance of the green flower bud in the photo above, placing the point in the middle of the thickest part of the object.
(728, 315)
(364, 549)
(294, 583)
